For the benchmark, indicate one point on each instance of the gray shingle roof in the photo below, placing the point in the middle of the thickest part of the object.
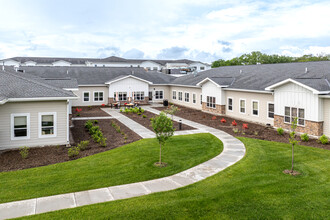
(15, 85)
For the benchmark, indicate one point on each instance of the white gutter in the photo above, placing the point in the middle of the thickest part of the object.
(3, 101)
(68, 89)
(40, 99)
(92, 85)
(247, 90)
(67, 122)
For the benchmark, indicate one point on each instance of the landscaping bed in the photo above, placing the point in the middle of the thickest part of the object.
(88, 111)
(147, 123)
(254, 130)
(42, 156)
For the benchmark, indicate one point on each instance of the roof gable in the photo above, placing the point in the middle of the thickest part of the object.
(119, 78)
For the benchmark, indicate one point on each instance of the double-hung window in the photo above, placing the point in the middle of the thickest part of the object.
(20, 126)
(201, 99)
(180, 96)
(194, 98)
(271, 110)
(139, 96)
(47, 124)
(98, 96)
(242, 106)
(159, 94)
(230, 104)
(86, 96)
(210, 101)
(174, 95)
(186, 96)
(255, 108)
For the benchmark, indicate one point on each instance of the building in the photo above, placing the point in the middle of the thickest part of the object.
(268, 94)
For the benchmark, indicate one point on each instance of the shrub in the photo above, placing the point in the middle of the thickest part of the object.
(223, 120)
(235, 130)
(78, 114)
(83, 145)
(73, 152)
(89, 107)
(256, 133)
(88, 124)
(245, 126)
(95, 121)
(144, 116)
(324, 139)
(139, 113)
(214, 117)
(280, 131)
(94, 129)
(304, 137)
(234, 123)
(121, 110)
(24, 151)
(103, 142)
(142, 110)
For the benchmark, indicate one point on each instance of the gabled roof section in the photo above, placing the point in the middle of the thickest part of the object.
(119, 78)
(316, 85)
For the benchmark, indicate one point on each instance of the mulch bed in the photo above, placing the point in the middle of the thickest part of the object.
(42, 156)
(254, 130)
(88, 111)
(147, 123)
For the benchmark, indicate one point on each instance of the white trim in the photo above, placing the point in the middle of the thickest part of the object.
(159, 90)
(239, 105)
(40, 114)
(272, 87)
(128, 76)
(61, 61)
(176, 97)
(98, 92)
(297, 116)
(247, 90)
(67, 122)
(92, 85)
(12, 116)
(89, 96)
(257, 101)
(232, 104)
(188, 97)
(268, 110)
(40, 99)
(3, 101)
(73, 89)
(194, 93)
(207, 79)
(181, 96)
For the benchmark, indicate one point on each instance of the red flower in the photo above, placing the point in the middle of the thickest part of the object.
(223, 120)
(245, 126)
(78, 109)
(214, 117)
(125, 103)
(103, 105)
(234, 123)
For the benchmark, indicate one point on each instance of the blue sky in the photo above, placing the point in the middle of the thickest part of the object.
(203, 30)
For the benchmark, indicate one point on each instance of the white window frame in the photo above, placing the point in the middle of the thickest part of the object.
(140, 95)
(209, 104)
(257, 101)
(232, 104)
(99, 95)
(159, 90)
(89, 96)
(40, 114)
(12, 116)
(194, 98)
(268, 110)
(181, 96)
(240, 106)
(297, 116)
(174, 97)
(185, 100)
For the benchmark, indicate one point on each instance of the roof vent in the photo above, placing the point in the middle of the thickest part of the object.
(306, 70)
(15, 68)
(67, 72)
(3, 67)
(132, 72)
(240, 71)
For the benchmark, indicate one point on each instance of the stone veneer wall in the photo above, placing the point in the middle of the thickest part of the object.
(311, 127)
(145, 101)
(219, 109)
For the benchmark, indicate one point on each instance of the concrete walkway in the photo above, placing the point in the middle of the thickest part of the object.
(91, 118)
(233, 151)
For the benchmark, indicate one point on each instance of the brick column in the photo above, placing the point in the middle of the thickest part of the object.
(219, 109)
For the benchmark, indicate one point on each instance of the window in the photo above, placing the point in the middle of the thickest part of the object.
(210, 101)
(174, 95)
(122, 96)
(201, 99)
(139, 96)
(202, 68)
(20, 124)
(194, 98)
(230, 104)
(155, 68)
(242, 106)
(47, 124)
(86, 96)
(186, 96)
(180, 96)
(98, 96)
(255, 108)
(271, 110)
(159, 94)
(291, 113)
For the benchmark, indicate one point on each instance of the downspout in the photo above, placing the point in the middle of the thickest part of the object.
(67, 123)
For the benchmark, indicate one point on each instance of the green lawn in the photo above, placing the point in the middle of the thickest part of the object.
(254, 188)
(126, 164)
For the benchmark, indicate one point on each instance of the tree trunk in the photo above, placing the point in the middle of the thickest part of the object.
(160, 154)
(292, 158)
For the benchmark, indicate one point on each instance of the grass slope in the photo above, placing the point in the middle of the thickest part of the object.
(254, 188)
(127, 164)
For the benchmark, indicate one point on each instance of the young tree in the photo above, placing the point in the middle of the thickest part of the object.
(292, 138)
(172, 110)
(163, 127)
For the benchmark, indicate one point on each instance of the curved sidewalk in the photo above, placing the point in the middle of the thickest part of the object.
(233, 151)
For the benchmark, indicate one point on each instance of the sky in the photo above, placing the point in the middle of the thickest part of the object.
(204, 30)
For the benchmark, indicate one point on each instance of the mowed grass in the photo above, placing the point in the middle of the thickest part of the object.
(127, 164)
(254, 188)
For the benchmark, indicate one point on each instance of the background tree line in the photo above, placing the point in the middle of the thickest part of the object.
(256, 57)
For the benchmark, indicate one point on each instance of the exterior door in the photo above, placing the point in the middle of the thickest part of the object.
(150, 95)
